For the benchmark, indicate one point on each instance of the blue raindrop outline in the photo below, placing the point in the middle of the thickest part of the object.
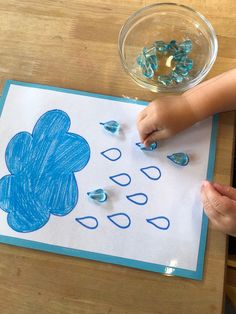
(121, 174)
(86, 226)
(146, 174)
(109, 149)
(115, 223)
(150, 221)
(129, 197)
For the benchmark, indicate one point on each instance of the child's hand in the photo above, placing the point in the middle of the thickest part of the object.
(219, 203)
(164, 117)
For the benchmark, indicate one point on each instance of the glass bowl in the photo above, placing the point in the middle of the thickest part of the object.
(167, 22)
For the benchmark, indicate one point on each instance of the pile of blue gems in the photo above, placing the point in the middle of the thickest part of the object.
(175, 52)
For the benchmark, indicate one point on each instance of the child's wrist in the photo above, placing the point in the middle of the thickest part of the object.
(199, 109)
(189, 110)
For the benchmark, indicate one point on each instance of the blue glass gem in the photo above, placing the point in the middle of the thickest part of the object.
(148, 52)
(164, 79)
(148, 71)
(151, 57)
(141, 60)
(152, 146)
(173, 46)
(186, 46)
(177, 77)
(98, 195)
(187, 63)
(182, 70)
(161, 46)
(181, 159)
(179, 56)
(147, 60)
(153, 62)
(111, 126)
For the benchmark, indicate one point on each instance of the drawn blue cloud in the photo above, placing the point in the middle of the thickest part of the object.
(42, 166)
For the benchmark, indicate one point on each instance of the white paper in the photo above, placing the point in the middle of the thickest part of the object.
(176, 195)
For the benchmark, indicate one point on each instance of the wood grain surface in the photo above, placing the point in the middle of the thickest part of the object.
(73, 44)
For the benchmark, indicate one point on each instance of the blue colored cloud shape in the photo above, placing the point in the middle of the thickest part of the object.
(42, 165)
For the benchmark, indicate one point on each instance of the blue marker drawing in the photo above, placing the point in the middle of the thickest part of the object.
(121, 220)
(123, 179)
(42, 165)
(114, 154)
(160, 219)
(152, 172)
(88, 222)
(138, 198)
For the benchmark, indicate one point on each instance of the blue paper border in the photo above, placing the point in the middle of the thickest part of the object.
(198, 274)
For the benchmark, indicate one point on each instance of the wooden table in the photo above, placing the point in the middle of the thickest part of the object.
(73, 44)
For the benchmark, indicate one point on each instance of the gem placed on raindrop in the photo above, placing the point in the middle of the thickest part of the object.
(152, 146)
(111, 126)
(98, 195)
(186, 46)
(161, 46)
(181, 159)
(176, 77)
(165, 80)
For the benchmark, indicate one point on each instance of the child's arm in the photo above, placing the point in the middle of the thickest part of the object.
(168, 115)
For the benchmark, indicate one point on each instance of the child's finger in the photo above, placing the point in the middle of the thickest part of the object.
(221, 204)
(142, 114)
(154, 137)
(145, 128)
(226, 190)
(210, 211)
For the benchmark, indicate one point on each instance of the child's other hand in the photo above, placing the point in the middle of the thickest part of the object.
(219, 203)
(163, 118)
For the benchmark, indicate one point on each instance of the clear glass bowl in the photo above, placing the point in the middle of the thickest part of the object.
(168, 21)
